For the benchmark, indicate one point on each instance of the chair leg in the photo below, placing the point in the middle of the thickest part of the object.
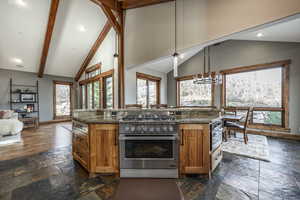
(229, 134)
(245, 138)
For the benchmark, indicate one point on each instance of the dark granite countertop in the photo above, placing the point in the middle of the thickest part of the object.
(203, 119)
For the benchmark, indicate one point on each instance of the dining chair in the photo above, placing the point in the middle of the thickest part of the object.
(229, 111)
(232, 126)
(159, 106)
(138, 106)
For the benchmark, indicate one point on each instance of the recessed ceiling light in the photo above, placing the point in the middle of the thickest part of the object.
(17, 60)
(20, 3)
(81, 28)
(181, 56)
(259, 35)
(20, 66)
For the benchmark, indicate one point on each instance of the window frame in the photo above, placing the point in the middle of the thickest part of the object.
(148, 78)
(101, 78)
(284, 65)
(70, 84)
(191, 77)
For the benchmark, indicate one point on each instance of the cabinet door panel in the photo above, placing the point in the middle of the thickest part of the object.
(104, 149)
(194, 149)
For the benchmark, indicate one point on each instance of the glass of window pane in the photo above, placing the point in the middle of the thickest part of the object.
(109, 92)
(152, 92)
(63, 102)
(267, 117)
(261, 88)
(83, 96)
(96, 94)
(195, 94)
(142, 92)
(90, 95)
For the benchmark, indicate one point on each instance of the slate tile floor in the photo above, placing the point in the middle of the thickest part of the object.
(54, 175)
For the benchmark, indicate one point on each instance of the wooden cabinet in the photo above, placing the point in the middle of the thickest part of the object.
(104, 148)
(216, 158)
(194, 149)
(81, 151)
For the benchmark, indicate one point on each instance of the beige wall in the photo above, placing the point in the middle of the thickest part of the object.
(231, 16)
(149, 31)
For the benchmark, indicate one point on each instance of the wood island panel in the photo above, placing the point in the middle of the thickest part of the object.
(194, 149)
(104, 148)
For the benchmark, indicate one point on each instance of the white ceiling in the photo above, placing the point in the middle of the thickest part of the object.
(285, 30)
(22, 33)
(23, 27)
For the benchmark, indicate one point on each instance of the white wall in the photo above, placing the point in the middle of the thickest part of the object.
(130, 84)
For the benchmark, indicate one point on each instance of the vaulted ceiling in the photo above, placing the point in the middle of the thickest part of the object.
(23, 26)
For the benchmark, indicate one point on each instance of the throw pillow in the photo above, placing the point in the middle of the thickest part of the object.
(2, 114)
(7, 114)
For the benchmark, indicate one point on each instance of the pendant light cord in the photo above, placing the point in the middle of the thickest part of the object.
(208, 48)
(175, 26)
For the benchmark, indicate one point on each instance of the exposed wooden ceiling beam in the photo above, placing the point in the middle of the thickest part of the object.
(48, 36)
(94, 49)
(129, 4)
(110, 15)
(112, 4)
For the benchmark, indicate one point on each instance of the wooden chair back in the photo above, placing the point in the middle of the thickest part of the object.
(248, 117)
(139, 106)
(159, 106)
(230, 110)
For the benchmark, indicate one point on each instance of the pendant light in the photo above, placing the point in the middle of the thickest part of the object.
(116, 55)
(209, 77)
(175, 55)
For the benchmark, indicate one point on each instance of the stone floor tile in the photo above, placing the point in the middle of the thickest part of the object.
(227, 192)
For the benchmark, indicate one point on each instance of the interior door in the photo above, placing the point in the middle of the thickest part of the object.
(194, 149)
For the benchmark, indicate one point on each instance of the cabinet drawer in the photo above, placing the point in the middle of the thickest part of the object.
(81, 139)
(82, 155)
(216, 157)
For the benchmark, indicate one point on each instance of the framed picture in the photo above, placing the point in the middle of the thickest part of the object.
(27, 98)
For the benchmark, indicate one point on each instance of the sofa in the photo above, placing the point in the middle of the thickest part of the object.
(10, 127)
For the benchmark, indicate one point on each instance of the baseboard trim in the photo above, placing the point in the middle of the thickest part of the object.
(275, 134)
(55, 121)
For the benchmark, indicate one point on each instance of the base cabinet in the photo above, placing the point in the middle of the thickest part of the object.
(97, 149)
(104, 149)
(194, 149)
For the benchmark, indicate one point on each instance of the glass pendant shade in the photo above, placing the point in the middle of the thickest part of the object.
(116, 59)
(175, 64)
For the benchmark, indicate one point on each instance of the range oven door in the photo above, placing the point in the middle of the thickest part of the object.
(148, 152)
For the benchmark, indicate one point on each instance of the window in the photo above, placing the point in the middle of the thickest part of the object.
(263, 87)
(62, 99)
(258, 88)
(93, 71)
(148, 89)
(93, 96)
(190, 94)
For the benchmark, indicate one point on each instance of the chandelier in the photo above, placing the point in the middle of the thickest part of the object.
(207, 77)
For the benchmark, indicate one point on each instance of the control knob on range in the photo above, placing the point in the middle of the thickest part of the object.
(132, 128)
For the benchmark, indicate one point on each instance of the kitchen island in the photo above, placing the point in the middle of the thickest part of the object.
(167, 143)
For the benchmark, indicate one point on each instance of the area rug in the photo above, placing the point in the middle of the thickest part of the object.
(148, 189)
(257, 147)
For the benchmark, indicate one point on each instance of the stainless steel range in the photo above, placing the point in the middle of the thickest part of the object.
(148, 146)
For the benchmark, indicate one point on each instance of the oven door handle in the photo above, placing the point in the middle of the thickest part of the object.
(147, 138)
